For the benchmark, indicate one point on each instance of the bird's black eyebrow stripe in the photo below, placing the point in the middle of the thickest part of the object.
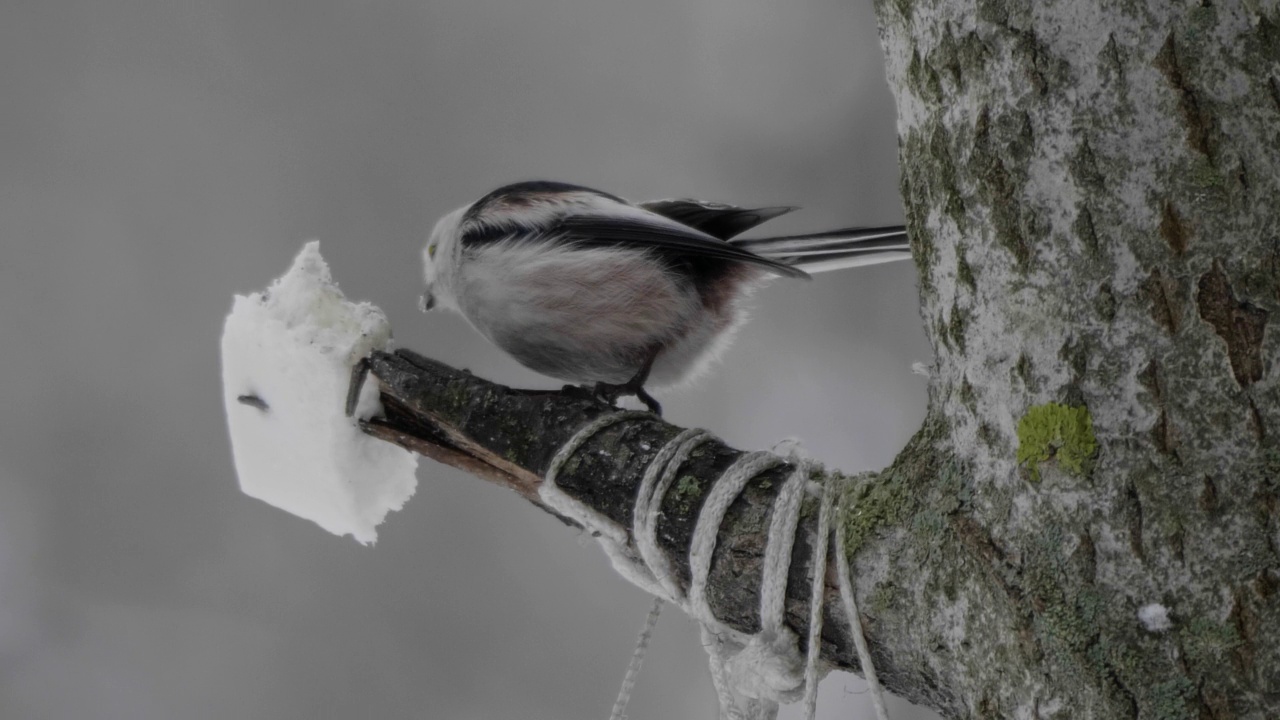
(521, 193)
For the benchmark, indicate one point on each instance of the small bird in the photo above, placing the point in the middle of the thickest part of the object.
(586, 287)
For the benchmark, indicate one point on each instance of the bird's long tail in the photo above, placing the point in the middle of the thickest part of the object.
(835, 249)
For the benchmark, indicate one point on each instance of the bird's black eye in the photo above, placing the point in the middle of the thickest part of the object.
(431, 251)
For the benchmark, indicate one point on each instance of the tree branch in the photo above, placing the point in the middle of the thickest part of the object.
(509, 436)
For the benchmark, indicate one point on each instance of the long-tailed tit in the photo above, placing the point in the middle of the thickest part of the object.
(586, 287)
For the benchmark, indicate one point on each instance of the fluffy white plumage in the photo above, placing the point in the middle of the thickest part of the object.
(589, 288)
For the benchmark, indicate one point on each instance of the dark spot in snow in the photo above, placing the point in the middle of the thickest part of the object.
(253, 401)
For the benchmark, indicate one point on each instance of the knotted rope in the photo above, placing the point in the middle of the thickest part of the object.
(752, 673)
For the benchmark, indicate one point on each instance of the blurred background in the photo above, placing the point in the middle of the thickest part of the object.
(157, 157)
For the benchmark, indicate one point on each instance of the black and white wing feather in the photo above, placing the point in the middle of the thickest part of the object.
(816, 252)
(683, 229)
(715, 219)
(543, 211)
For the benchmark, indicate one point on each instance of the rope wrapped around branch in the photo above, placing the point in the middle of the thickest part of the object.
(752, 673)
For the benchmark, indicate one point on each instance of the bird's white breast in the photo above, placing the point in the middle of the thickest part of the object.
(578, 314)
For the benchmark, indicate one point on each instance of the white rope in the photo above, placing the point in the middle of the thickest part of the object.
(751, 672)
(569, 506)
(657, 478)
(855, 623)
(714, 506)
(769, 667)
(777, 552)
(727, 644)
(816, 592)
(716, 656)
(637, 659)
(613, 538)
(654, 484)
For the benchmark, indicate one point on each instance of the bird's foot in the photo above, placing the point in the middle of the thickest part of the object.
(583, 392)
(610, 393)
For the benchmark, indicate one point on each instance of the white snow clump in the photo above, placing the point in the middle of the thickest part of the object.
(287, 355)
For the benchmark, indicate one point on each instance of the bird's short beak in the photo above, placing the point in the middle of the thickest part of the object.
(427, 301)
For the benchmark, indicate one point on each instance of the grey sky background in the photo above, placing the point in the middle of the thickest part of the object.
(157, 157)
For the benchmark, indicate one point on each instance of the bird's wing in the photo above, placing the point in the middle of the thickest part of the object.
(715, 219)
(519, 202)
(539, 211)
(661, 234)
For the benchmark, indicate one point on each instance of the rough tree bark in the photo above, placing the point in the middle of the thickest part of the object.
(1092, 193)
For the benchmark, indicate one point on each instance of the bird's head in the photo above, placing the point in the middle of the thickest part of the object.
(439, 259)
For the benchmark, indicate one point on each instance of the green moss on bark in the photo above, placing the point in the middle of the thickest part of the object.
(1059, 433)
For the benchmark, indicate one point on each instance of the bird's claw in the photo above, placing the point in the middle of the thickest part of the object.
(610, 393)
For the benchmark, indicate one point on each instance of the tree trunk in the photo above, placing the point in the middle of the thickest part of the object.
(1092, 195)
